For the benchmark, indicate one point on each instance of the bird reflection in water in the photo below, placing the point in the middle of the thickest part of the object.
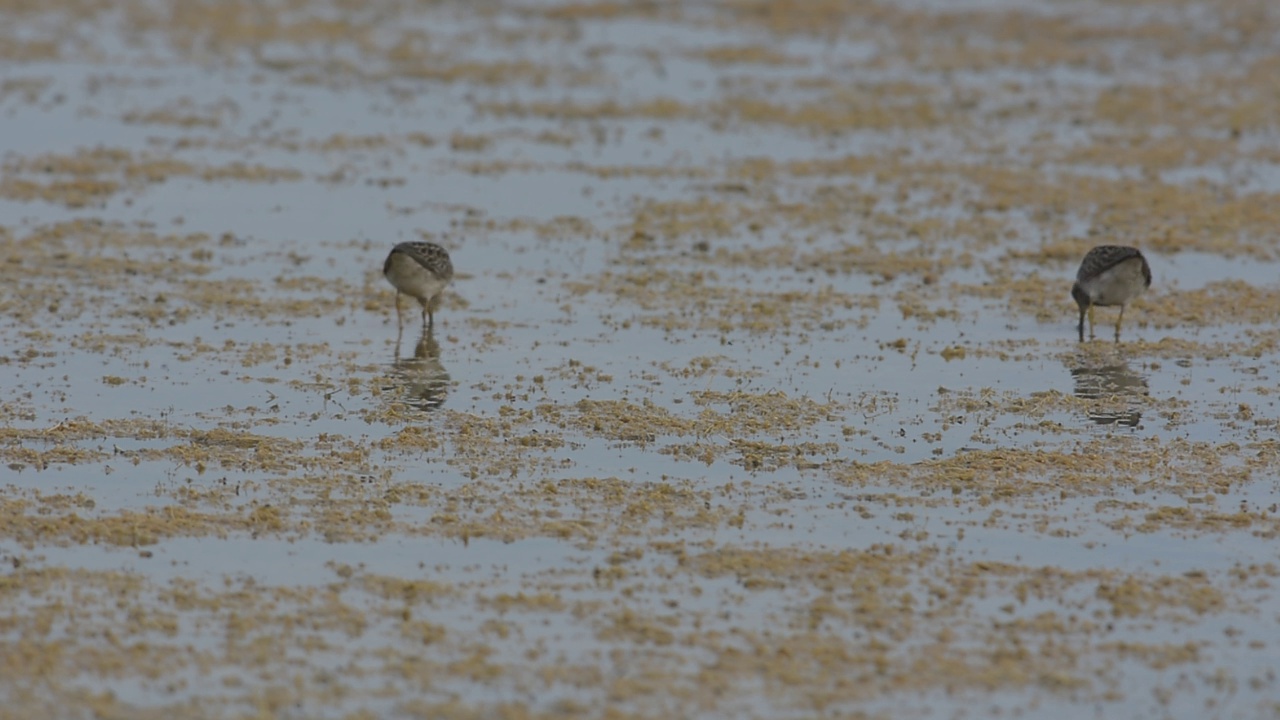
(1116, 389)
(420, 381)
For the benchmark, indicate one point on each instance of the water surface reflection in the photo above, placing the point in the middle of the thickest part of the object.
(420, 380)
(1116, 389)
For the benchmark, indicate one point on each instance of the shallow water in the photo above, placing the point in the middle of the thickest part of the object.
(757, 392)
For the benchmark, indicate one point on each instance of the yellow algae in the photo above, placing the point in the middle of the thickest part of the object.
(747, 54)
(642, 453)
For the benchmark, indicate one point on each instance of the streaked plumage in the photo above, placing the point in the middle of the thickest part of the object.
(1109, 275)
(420, 270)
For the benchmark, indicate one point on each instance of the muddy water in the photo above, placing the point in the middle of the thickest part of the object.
(757, 392)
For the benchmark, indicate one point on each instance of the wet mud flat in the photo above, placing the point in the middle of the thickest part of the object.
(757, 392)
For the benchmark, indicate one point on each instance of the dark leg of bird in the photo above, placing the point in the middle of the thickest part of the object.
(1118, 321)
(1080, 327)
(426, 316)
(431, 308)
(399, 319)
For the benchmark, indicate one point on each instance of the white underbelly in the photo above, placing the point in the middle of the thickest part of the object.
(1118, 285)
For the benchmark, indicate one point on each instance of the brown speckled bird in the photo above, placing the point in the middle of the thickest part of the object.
(420, 270)
(1109, 275)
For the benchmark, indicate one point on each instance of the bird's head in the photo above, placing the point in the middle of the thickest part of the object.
(1079, 295)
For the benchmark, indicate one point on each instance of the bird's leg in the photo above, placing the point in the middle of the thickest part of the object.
(425, 313)
(1118, 321)
(1080, 327)
(399, 325)
(1091, 322)
(431, 307)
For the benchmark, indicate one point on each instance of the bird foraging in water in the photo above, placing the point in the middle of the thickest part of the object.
(420, 270)
(1109, 275)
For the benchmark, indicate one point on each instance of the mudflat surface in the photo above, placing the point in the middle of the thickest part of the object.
(757, 392)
